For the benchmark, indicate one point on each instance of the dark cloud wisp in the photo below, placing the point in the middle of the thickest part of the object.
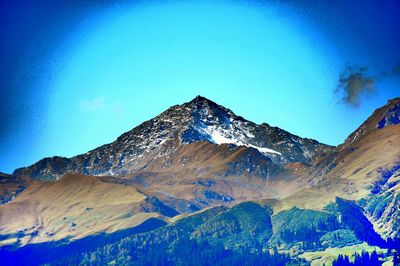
(354, 83)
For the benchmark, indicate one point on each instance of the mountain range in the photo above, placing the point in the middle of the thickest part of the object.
(200, 176)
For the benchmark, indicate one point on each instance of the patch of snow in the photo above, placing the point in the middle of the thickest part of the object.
(263, 150)
(249, 135)
(219, 138)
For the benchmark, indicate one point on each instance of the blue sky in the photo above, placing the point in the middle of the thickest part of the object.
(76, 76)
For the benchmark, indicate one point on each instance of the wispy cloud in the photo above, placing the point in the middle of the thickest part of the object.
(117, 107)
(100, 104)
(94, 104)
(354, 83)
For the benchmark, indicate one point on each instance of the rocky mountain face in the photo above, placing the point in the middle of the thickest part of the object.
(197, 120)
(10, 187)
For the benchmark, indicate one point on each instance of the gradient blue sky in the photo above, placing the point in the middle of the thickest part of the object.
(76, 75)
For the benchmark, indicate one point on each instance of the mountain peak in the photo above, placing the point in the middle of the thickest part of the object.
(200, 98)
(200, 102)
(200, 120)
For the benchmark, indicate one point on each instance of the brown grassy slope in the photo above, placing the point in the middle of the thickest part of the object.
(239, 172)
(74, 206)
(355, 166)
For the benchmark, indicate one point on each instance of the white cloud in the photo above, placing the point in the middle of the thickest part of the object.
(100, 104)
(117, 107)
(95, 104)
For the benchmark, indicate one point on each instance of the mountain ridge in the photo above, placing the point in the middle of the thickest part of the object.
(197, 120)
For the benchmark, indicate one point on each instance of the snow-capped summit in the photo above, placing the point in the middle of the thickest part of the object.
(217, 124)
(198, 120)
